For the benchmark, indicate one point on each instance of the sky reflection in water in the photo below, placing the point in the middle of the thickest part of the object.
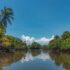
(34, 60)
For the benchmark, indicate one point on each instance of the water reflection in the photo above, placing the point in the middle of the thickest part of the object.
(61, 59)
(35, 54)
(7, 59)
(57, 59)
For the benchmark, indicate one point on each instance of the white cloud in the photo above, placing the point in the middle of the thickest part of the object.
(29, 40)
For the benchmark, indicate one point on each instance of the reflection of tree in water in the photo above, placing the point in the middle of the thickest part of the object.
(35, 52)
(9, 58)
(61, 58)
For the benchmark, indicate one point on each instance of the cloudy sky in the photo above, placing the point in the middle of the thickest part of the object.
(38, 18)
(29, 40)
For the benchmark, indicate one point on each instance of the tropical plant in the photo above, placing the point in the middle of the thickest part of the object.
(6, 16)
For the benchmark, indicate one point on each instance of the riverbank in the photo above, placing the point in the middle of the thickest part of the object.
(9, 42)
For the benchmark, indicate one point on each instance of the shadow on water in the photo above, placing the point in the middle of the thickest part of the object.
(6, 59)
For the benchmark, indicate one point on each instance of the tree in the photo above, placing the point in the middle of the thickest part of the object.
(66, 35)
(55, 43)
(2, 31)
(62, 42)
(6, 16)
(35, 45)
(56, 37)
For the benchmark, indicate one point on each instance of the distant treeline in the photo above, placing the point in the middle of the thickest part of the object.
(60, 43)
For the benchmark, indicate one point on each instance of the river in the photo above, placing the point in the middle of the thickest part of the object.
(34, 60)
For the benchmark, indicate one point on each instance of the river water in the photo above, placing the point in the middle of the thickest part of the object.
(34, 60)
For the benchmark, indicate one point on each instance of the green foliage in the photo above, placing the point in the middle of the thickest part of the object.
(12, 42)
(2, 30)
(6, 41)
(65, 35)
(35, 45)
(62, 42)
(6, 15)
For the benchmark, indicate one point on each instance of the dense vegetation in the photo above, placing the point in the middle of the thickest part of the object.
(60, 42)
(6, 41)
(35, 45)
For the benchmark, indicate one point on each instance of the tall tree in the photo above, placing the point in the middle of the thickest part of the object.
(6, 16)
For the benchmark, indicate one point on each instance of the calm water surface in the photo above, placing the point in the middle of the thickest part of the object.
(34, 60)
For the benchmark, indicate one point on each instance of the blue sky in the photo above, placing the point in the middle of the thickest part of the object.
(38, 18)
